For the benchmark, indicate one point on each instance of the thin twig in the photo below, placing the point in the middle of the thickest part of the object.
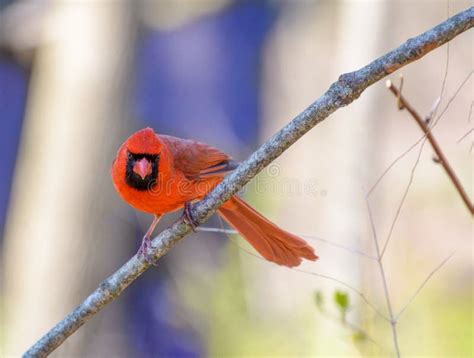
(470, 112)
(434, 144)
(344, 91)
(445, 76)
(320, 275)
(433, 124)
(423, 285)
(453, 97)
(309, 237)
(392, 164)
(248, 252)
(330, 278)
(400, 104)
(353, 289)
(353, 327)
(402, 200)
(393, 321)
(422, 139)
(433, 109)
(465, 135)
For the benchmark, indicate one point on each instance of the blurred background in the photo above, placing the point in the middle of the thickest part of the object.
(78, 77)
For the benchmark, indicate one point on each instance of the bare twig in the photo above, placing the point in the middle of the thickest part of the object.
(437, 149)
(433, 124)
(326, 277)
(433, 112)
(393, 321)
(353, 327)
(309, 237)
(400, 104)
(352, 288)
(453, 97)
(423, 285)
(402, 201)
(392, 164)
(470, 112)
(429, 124)
(465, 135)
(433, 109)
(341, 93)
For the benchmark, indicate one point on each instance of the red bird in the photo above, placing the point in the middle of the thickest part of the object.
(159, 174)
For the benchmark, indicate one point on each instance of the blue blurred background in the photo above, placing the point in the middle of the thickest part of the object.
(76, 78)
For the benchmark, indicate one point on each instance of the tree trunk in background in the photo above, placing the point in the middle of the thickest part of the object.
(61, 235)
(321, 180)
(355, 155)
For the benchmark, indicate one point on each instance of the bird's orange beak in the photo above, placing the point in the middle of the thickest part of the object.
(142, 168)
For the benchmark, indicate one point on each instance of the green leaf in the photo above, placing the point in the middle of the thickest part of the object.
(359, 337)
(341, 299)
(319, 300)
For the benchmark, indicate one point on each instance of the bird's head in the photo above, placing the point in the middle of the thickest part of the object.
(142, 150)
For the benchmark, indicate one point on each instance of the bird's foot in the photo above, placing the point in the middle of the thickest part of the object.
(188, 216)
(143, 250)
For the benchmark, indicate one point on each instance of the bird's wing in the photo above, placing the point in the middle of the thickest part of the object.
(198, 160)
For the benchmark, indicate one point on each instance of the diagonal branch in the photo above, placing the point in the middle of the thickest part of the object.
(435, 122)
(437, 149)
(345, 90)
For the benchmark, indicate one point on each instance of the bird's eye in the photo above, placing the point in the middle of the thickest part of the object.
(130, 156)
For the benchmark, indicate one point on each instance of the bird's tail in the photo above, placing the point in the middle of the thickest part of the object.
(273, 243)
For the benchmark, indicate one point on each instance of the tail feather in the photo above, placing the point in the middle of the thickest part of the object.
(273, 243)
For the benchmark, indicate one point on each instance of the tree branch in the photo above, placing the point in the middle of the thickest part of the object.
(341, 93)
(403, 104)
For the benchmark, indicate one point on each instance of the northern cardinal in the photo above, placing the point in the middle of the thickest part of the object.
(159, 174)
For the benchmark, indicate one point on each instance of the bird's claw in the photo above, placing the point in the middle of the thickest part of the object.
(188, 216)
(143, 250)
